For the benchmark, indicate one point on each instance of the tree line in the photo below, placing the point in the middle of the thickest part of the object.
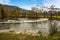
(13, 12)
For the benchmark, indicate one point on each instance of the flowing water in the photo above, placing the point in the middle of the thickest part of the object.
(45, 27)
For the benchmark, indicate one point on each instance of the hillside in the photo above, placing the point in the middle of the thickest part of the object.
(10, 12)
(14, 12)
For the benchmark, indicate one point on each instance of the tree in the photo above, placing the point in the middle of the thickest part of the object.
(1, 11)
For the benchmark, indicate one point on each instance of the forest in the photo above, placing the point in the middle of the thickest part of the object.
(14, 12)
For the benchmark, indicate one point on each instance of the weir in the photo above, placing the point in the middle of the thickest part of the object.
(42, 27)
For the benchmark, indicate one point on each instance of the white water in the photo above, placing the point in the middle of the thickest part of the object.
(45, 26)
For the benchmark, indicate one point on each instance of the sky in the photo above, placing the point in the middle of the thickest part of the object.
(28, 4)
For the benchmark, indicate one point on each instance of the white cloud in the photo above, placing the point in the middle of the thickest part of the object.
(52, 2)
(4, 1)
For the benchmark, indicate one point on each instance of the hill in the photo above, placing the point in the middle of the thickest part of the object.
(10, 12)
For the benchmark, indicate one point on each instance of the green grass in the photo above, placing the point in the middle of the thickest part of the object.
(7, 36)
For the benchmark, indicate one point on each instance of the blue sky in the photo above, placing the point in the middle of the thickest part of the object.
(27, 4)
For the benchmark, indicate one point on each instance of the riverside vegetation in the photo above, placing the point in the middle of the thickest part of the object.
(13, 12)
(8, 36)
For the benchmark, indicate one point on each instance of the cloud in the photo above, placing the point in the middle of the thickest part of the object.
(52, 2)
(4, 1)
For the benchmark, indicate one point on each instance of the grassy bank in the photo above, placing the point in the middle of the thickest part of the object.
(7, 36)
